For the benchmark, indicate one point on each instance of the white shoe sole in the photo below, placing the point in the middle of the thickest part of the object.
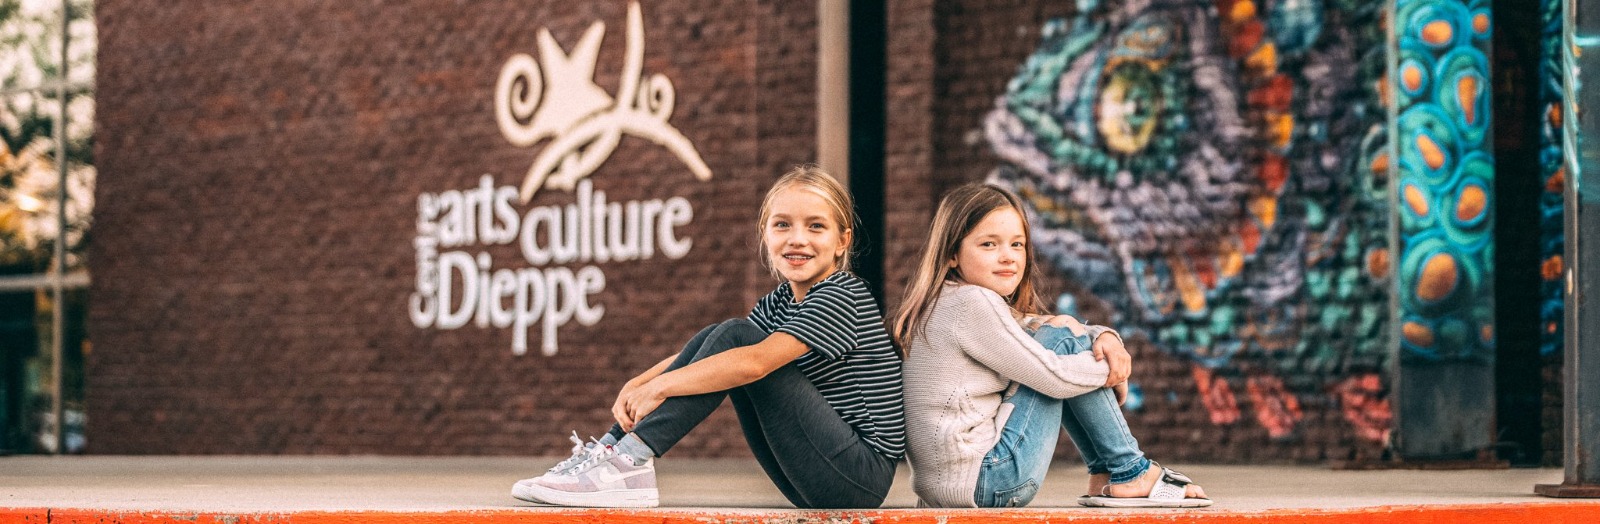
(1141, 502)
(520, 491)
(616, 498)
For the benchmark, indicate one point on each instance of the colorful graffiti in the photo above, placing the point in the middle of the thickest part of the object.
(1552, 242)
(1215, 173)
(1446, 179)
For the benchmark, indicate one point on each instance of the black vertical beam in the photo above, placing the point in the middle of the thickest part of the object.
(1516, 77)
(1580, 371)
(868, 132)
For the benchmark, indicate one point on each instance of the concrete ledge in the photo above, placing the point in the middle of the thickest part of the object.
(1548, 513)
(381, 490)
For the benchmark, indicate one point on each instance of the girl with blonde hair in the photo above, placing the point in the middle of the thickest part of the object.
(811, 372)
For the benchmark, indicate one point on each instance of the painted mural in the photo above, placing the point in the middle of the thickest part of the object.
(1446, 177)
(1551, 233)
(1214, 173)
(1552, 95)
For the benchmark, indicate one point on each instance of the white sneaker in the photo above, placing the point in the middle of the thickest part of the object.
(580, 451)
(605, 478)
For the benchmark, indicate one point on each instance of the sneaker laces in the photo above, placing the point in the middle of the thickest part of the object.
(580, 449)
(597, 454)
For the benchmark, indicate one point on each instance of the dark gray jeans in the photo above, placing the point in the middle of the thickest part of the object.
(813, 456)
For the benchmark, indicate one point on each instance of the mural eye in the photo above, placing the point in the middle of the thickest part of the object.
(1129, 106)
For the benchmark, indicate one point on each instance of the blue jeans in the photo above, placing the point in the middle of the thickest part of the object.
(1013, 471)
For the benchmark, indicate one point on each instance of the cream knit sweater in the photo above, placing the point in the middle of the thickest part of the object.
(955, 374)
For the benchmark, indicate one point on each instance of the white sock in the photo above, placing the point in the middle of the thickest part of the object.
(633, 447)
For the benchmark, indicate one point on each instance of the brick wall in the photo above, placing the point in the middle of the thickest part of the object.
(260, 169)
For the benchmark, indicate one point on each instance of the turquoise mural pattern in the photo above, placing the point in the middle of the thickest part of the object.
(1551, 233)
(1445, 181)
(1214, 173)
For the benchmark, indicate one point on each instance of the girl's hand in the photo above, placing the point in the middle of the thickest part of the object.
(1121, 390)
(636, 403)
(619, 409)
(1109, 348)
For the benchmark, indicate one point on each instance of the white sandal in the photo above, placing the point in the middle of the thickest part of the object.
(1168, 492)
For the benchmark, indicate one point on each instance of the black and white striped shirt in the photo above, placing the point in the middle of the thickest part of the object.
(851, 359)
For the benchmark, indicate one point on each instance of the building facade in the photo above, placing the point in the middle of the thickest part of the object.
(434, 227)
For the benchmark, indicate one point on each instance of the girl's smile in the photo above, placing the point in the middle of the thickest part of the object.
(797, 259)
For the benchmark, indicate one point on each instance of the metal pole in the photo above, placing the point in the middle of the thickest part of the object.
(1580, 371)
(57, 345)
(1397, 382)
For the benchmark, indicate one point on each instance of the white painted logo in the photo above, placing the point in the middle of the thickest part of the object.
(561, 102)
(585, 124)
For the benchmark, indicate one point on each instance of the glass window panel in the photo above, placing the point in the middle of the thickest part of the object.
(27, 373)
(24, 391)
(30, 196)
(81, 42)
(29, 178)
(30, 42)
(75, 346)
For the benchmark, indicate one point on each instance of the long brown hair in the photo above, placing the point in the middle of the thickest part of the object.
(959, 213)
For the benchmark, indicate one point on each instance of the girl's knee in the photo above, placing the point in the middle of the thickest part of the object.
(1061, 340)
(729, 334)
(737, 323)
(732, 323)
(741, 328)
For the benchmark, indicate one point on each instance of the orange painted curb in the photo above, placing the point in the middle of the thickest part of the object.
(1542, 513)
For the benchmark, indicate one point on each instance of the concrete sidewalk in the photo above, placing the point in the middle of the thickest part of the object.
(226, 488)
